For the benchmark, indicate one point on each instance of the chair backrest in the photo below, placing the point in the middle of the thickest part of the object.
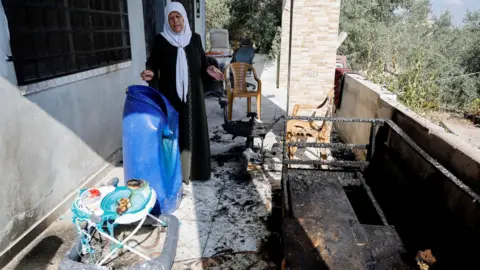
(245, 55)
(219, 40)
(239, 71)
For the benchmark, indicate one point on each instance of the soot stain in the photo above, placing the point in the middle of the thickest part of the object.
(241, 210)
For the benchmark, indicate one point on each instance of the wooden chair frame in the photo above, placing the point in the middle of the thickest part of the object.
(301, 130)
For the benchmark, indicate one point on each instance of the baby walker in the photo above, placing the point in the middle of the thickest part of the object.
(101, 209)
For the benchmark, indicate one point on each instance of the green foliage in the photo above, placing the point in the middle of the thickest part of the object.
(217, 14)
(276, 45)
(427, 61)
(258, 19)
(474, 107)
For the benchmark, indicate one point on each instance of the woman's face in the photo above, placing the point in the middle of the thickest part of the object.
(176, 21)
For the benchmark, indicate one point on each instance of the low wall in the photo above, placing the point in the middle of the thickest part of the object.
(363, 99)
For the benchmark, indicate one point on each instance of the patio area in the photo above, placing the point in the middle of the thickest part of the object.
(230, 221)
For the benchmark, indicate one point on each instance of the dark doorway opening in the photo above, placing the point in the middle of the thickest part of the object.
(150, 21)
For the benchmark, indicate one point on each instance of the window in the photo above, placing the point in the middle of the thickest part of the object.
(53, 38)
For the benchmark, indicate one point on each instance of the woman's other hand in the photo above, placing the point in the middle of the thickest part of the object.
(215, 73)
(147, 75)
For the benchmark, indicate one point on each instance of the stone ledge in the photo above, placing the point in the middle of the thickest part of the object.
(433, 129)
(364, 99)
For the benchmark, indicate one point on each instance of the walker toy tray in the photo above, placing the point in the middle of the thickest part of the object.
(109, 206)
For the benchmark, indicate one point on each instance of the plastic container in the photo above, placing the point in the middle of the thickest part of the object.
(150, 145)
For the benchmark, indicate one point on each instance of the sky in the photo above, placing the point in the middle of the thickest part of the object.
(458, 8)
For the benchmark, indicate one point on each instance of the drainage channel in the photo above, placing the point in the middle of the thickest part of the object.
(333, 220)
(416, 208)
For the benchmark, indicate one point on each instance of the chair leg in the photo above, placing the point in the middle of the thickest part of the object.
(249, 104)
(230, 106)
(259, 105)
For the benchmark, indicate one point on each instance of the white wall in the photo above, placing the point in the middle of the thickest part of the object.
(200, 22)
(52, 140)
(6, 68)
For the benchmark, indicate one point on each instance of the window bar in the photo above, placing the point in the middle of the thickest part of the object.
(104, 36)
(21, 61)
(61, 39)
(71, 44)
(92, 36)
(53, 62)
(123, 8)
(79, 52)
(50, 70)
(74, 31)
(35, 5)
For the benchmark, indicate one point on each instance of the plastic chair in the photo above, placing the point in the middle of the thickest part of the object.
(239, 71)
(219, 40)
(245, 55)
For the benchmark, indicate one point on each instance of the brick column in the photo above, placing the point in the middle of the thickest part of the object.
(314, 40)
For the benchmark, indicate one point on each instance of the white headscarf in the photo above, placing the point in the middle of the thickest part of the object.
(179, 40)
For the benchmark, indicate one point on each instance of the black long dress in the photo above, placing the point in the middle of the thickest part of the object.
(193, 136)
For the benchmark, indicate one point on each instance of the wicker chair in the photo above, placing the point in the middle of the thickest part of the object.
(239, 71)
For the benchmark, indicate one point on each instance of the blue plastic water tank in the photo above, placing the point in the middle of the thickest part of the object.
(150, 145)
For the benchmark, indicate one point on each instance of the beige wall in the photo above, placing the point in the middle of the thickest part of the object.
(364, 99)
(314, 39)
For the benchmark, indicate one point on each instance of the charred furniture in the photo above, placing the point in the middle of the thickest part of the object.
(332, 220)
(250, 129)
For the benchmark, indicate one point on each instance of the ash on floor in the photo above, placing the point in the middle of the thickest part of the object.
(226, 222)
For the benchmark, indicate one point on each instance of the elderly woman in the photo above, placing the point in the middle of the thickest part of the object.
(179, 63)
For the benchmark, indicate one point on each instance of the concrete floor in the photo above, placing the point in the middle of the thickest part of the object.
(226, 216)
(464, 129)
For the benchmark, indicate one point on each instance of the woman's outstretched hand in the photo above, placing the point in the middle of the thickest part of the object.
(147, 75)
(215, 73)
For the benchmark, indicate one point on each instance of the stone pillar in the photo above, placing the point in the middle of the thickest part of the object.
(314, 41)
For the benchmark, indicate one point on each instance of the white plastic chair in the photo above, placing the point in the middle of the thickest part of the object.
(219, 40)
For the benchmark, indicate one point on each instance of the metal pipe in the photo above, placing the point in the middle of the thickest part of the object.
(289, 56)
(371, 141)
(372, 198)
(328, 145)
(333, 163)
(336, 119)
(289, 72)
